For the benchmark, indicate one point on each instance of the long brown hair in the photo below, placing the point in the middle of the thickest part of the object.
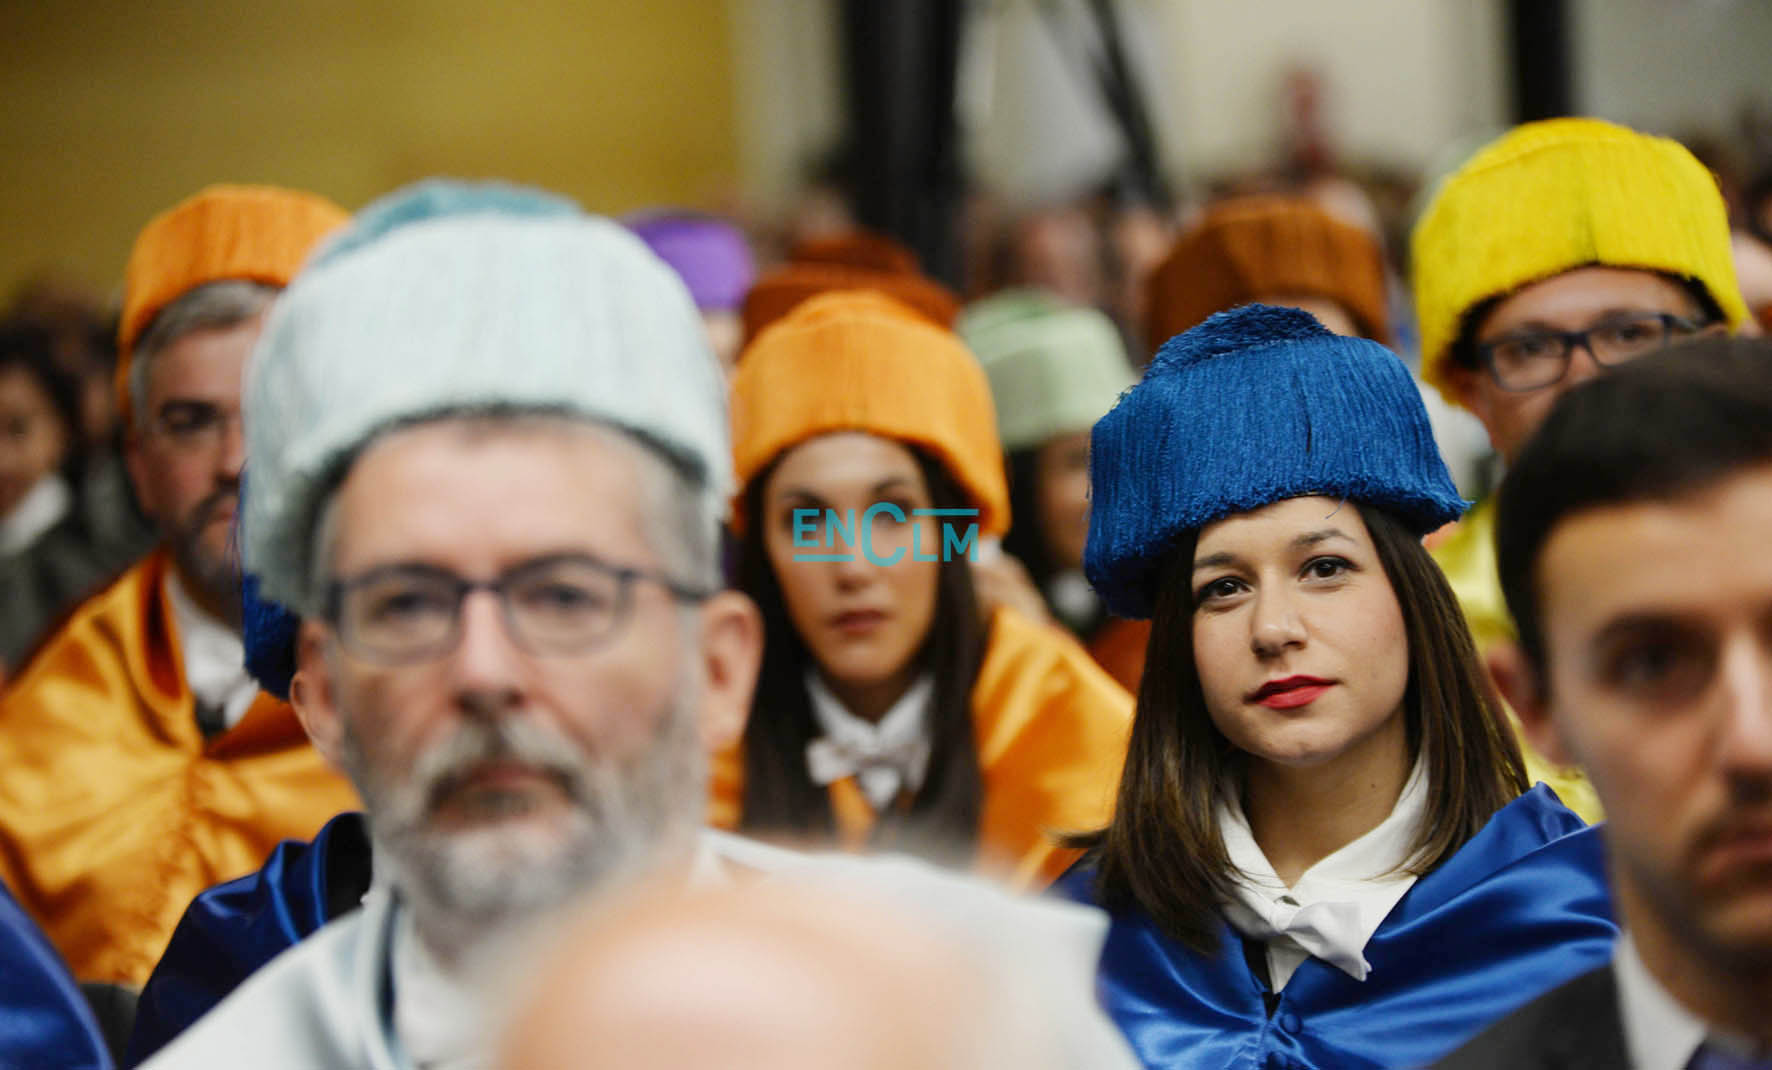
(780, 797)
(1163, 853)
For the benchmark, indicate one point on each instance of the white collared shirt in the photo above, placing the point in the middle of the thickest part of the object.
(214, 656)
(42, 507)
(1337, 904)
(885, 757)
(1659, 1033)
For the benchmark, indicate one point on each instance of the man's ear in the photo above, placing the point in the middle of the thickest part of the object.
(1521, 686)
(1468, 386)
(311, 693)
(135, 462)
(732, 654)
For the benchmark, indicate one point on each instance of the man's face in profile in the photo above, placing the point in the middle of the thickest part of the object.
(1658, 633)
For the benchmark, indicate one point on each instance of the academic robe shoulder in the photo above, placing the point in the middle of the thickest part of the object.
(1466, 554)
(319, 1004)
(1051, 730)
(1119, 647)
(44, 1020)
(328, 1001)
(233, 929)
(114, 810)
(1519, 909)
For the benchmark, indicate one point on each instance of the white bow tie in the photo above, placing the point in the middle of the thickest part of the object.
(882, 769)
(1331, 910)
(1327, 929)
(885, 757)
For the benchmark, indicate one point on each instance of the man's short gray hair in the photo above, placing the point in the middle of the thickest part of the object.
(211, 306)
(679, 512)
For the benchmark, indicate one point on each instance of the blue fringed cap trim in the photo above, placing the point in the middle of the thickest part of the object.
(1236, 332)
(268, 631)
(1254, 406)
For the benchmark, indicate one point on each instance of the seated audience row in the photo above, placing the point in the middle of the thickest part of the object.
(454, 481)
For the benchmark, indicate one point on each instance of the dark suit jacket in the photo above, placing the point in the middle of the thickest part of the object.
(1574, 1027)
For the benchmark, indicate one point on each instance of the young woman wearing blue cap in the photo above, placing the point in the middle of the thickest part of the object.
(1323, 852)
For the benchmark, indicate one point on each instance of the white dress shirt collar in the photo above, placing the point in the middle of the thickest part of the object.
(48, 500)
(885, 757)
(214, 656)
(1659, 1033)
(1337, 904)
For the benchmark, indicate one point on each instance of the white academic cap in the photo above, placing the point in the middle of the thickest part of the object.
(450, 296)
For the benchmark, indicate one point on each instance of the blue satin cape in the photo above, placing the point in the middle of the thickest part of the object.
(44, 1020)
(234, 928)
(1519, 909)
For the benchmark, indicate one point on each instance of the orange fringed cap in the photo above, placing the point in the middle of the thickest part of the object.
(859, 260)
(257, 233)
(861, 248)
(861, 361)
(1266, 246)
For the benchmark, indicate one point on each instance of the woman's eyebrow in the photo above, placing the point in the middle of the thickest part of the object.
(1302, 542)
(1314, 538)
(891, 483)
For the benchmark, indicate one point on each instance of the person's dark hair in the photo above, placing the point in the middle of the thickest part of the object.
(1163, 853)
(1464, 347)
(1662, 427)
(780, 797)
(33, 349)
(1026, 538)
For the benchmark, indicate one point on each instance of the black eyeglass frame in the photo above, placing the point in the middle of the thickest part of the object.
(1671, 326)
(625, 576)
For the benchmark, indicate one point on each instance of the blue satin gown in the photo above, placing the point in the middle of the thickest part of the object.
(1519, 909)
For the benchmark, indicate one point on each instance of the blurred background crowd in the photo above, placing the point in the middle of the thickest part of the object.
(1066, 184)
(1056, 144)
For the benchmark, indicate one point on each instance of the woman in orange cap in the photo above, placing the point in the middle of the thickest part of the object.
(892, 710)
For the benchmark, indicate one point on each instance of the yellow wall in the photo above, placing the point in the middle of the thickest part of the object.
(111, 110)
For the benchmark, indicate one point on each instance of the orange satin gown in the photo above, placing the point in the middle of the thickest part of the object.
(1051, 730)
(114, 811)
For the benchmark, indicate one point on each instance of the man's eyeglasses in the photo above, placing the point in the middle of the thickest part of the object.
(564, 604)
(1534, 359)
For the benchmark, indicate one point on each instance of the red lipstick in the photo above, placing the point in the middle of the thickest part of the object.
(1289, 692)
(858, 622)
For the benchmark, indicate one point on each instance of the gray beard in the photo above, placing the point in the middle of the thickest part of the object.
(468, 887)
(215, 583)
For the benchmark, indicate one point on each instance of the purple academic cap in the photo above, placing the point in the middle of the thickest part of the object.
(709, 253)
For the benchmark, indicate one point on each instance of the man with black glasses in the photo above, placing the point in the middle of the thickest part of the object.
(487, 456)
(1561, 249)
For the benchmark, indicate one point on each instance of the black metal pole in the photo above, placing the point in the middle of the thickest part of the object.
(1540, 47)
(901, 62)
(1141, 178)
